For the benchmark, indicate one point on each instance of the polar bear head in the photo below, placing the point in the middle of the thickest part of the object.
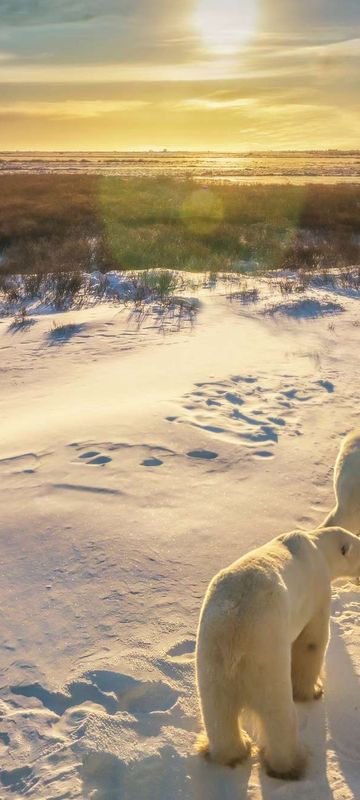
(341, 551)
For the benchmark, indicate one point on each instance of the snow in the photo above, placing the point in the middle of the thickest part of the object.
(135, 462)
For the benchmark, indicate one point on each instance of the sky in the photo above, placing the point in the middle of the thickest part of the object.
(190, 74)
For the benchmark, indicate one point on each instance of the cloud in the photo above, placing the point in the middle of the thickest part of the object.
(97, 31)
(267, 124)
(37, 13)
(213, 104)
(43, 12)
(304, 15)
(7, 57)
(89, 32)
(274, 15)
(70, 109)
(205, 70)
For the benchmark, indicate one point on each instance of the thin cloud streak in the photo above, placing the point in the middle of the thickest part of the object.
(71, 109)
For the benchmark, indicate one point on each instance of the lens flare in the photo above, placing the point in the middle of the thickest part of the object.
(202, 212)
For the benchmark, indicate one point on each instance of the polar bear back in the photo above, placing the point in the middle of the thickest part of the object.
(281, 583)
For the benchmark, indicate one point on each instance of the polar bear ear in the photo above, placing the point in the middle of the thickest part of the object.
(345, 548)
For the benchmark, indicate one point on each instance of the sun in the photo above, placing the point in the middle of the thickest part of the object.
(225, 25)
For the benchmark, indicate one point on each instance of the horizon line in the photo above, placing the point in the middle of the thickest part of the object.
(166, 151)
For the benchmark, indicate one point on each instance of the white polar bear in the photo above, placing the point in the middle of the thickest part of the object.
(347, 485)
(262, 636)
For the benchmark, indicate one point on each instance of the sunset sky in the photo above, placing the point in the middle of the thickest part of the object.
(191, 74)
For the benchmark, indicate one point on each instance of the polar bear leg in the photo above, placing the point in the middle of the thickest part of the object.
(223, 740)
(283, 755)
(307, 657)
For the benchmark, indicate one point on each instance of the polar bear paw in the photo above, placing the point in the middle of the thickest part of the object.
(289, 770)
(229, 756)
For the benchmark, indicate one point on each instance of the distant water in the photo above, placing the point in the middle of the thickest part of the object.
(304, 167)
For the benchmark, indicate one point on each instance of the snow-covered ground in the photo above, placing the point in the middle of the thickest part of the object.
(135, 463)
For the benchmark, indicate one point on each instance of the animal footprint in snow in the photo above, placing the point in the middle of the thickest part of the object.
(89, 454)
(16, 464)
(263, 454)
(134, 696)
(182, 652)
(208, 455)
(178, 659)
(111, 690)
(95, 458)
(151, 462)
(19, 780)
(250, 411)
(99, 460)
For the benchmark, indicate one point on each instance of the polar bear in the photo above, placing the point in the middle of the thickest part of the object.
(262, 636)
(347, 485)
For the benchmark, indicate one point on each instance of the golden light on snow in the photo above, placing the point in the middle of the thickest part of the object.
(225, 26)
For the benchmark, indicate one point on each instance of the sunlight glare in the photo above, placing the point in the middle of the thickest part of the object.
(225, 25)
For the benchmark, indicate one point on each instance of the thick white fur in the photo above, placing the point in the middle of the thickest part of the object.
(347, 485)
(262, 636)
